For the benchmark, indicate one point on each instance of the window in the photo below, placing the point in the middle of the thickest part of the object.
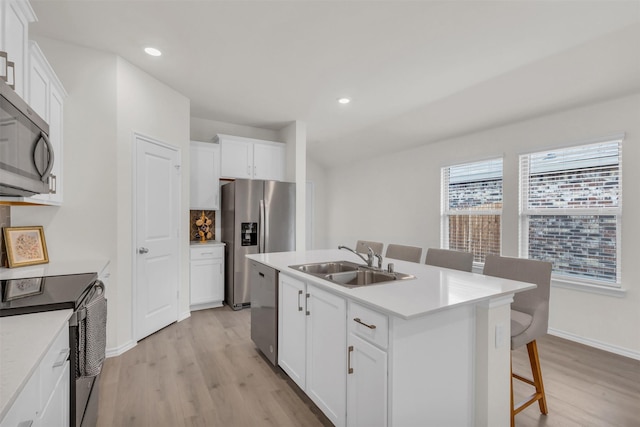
(570, 210)
(472, 207)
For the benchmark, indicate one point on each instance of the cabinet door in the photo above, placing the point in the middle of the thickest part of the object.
(205, 175)
(217, 294)
(268, 161)
(203, 273)
(16, 16)
(38, 97)
(366, 384)
(56, 410)
(236, 159)
(291, 328)
(326, 353)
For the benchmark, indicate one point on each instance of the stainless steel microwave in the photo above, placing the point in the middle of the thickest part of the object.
(26, 155)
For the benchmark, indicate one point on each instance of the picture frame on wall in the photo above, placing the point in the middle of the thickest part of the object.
(25, 246)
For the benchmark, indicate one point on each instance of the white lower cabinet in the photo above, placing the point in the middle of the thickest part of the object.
(44, 401)
(56, 411)
(312, 344)
(367, 367)
(366, 384)
(207, 276)
(292, 330)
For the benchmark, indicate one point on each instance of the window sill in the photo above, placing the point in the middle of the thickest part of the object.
(588, 287)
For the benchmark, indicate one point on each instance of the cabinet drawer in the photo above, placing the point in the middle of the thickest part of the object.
(53, 364)
(369, 324)
(207, 252)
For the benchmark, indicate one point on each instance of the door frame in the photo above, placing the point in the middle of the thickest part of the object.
(136, 138)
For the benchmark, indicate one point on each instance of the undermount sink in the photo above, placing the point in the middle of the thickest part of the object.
(350, 274)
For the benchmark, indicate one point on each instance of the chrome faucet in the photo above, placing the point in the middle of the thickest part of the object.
(369, 258)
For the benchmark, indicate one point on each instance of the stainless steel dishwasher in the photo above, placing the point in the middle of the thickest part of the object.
(264, 309)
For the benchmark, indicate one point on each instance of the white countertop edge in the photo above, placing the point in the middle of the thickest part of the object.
(40, 339)
(196, 243)
(374, 295)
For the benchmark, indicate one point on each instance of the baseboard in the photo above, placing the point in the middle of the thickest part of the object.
(595, 343)
(117, 351)
(184, 315)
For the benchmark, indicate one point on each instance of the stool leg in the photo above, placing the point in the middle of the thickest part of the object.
(534, 360)
(513, 413)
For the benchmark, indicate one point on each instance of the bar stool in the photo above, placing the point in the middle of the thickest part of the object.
(405, 253)
(362, 245)
(446, 258)
(529, 317)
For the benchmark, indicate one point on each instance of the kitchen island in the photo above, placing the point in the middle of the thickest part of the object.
(434, 350)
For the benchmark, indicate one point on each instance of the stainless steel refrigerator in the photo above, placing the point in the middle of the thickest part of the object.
(257, 216)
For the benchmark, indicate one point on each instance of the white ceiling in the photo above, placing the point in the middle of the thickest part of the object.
(417, 71)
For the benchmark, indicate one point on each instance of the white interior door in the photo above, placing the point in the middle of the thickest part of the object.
(157, 225)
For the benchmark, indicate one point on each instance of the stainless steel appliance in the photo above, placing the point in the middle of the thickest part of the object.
(257, 216)
(264, 309)
(78, 292)
(26, 155)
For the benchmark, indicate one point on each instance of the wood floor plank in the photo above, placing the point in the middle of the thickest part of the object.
(205, 371)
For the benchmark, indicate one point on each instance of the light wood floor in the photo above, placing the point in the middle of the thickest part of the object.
(205, 371)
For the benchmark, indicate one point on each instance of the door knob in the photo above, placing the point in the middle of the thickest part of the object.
(143, 250)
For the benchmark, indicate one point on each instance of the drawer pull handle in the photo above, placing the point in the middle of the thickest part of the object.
(299, 305)
(349, 359)
(206, 253)
(64, 355)
(261, 274)
(308, 312)
(27, 423)
(357, 320)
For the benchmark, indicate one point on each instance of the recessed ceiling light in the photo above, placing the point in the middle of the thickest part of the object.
(344, 100)
(152, 51)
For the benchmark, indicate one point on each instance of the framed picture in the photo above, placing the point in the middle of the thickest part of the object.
(20, 288)
(25, 246)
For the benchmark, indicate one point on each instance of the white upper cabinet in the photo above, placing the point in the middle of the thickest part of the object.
(205, 176)
(15, 16)
(268, 161)
(251, 158)
(46, 96)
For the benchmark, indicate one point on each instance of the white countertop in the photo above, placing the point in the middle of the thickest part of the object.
(24, 340)
(206, 243)
(55, 268)
(432, 290)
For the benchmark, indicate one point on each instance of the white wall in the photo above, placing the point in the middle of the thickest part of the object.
(396, 199)
(109, 99)
(148, 107)
(318, 176)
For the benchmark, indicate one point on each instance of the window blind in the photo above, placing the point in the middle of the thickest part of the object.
(570, 207)
(472, 207)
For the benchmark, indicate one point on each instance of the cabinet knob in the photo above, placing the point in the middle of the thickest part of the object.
(143, 250)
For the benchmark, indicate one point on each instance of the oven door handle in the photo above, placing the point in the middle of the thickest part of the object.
(77, 317)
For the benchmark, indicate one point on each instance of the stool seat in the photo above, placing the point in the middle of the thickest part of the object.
(519, 323)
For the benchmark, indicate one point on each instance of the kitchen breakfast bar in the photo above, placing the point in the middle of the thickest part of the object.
(432, 350)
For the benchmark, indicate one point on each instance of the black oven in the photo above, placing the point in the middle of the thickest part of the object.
(26, 155)
(82, 293)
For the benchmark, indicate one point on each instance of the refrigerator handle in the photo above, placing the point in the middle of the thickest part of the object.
(261, 227)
